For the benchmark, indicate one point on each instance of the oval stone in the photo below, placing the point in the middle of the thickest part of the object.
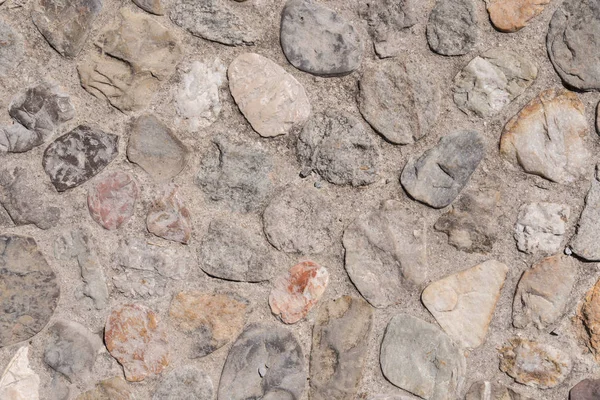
(452, 28)
(112, 200)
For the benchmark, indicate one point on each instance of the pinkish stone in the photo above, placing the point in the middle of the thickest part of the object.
(112, 200)
(169, 218)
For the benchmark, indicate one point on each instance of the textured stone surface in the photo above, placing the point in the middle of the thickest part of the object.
(11, 48)
(19, 381)
(419, 358)
(540, 227)
(547, 137)
(587, 389)
(185, 383)
(439, 175)
(399, 101)
(16, 138)
(585, 242)
(29, 290)
(265, 362)
(317, 40)
(386, 253)
(452, 28)
(513, 15)
(337, 146)
(387, 21)
(272, 100)
(109, 389)
(168, 217)
(485, 390)
(111, 200)
(152, 6)
(589, 316)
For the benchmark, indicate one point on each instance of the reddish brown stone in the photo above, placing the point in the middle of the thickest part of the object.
(112, 200)
(169, 218)
(512, 15)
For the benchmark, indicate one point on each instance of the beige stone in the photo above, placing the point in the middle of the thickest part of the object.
(109, 389)
(513, 15)
(19, 382)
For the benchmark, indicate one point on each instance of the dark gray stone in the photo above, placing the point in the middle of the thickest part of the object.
(587, 389)
(452, 28)
(11, 48)
(388, 20)
(185, 383)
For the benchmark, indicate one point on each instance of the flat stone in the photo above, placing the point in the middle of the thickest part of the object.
(135, 337)
(295, 293)
(109, 389)
(573, 43)
(452, 29)
(339, 348)
(485, 390)
(540, 227)
(12, 48)
(585, 242)
(587, 389)
(169, 218)
(185, 383)
(170, 262)
(317, 40)
(111, 200)
(66, 24)
(30, 290)
(272, 350)
(152, 6)
(19, 381)
(386, 253)
(211, 320)
(154, 147)
(299, 220)
(72, 349)
(544, 292)
(239, 175)
(534, 364)
(546, 137)
(79, 155)
(388, 21)
(513, 15)
(491, 81)
(399, 100)
(589, 318)
(271, 99)
(440, 174)
(418, 357)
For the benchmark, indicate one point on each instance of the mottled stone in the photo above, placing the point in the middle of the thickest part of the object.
(185, 383)
(317, 40)
(169, 218)
(265, 362)
(440, 174)
(399, 100)
(485, 390)
(272, 100)
(339, 348)
(109, 389)
(29, 290)
(546, 137)
(585, 242)
(151, 6)
(111, 200)
(452, 29)
(16, 138)
(211, 320)
(135, 337)
(540, 227)
(388, 21)
(11, 48)
(513, 15)
(19, 381)
(386, 253)
(587, 389)
(419, 358)
(589, 318)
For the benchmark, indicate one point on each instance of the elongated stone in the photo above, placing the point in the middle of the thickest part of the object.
(388, 21)
(589, 318)
(541, 226)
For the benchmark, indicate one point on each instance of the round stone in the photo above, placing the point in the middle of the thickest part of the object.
(112, 200)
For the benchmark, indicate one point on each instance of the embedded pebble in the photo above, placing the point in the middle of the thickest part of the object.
(540, 227)
(11, 48)
(111, 201)
(589, 318)
(587, 389)
(19, 381)
(485, 390)
(169, 218)
(585, 242)
(185, 383)
(514, 15)
(109, 389)
(452, 28)
(388, 21)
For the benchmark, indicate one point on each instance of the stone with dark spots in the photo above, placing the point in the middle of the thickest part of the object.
(452, 28)
(587, 389)
(11, 48)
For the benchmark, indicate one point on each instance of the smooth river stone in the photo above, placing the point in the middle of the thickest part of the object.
(111, 200)
(12, 48)
(388, 21)
(541, 226)
(452, 29)
(265, 362)
(317, 40)
(29, 290)
(485, 390)
(109, 389)
(185, 383)
(546, 137)
(513, 15)
(169, 218)
(19, 381)
(272, 100)
(585, 243)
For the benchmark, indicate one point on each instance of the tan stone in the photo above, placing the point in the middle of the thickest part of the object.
(110, 389)
(19, 382)
(589, 317)
(513, 15)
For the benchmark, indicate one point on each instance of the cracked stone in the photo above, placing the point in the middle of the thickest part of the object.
(388, 21)
(169, 218)
(111, 200)
(514, 15)
(452, 28)
(540, 227)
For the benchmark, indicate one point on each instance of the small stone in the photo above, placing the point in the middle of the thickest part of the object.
(185, 383)
(30, 290)
(317, 40)
(418, 357)
(587, 389)
(79, 155)
(440, 174)
(212, 320)
(154, 147)
(534, 364)
(268, 346)
(543, 293)
(388, 21)
(485, 390)
(452, 29)
(169, 218)
(151, 6)
(513, 15)
(12, 48)
(135, 337)
(66, 24)
(399, 101)
(111, 200)
(294, 294)
(585, 242)
(386, 253)
(547, 137)
(272, 100)
(110, 389)
(540, 227)
(339, 348)
(491, 81)
(589, 316)
(19, 381)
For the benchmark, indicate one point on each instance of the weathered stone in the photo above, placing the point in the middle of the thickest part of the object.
(534, 364)
(485, 390)
(79, 155)
(185, 383)
(589, 316)
(540, 227)
(388, 20)
(399, 101)
(298, 220)
(585, 242)
(547, 137)
(169, 218)
(29, 290)
(317, 40)
(265, 362)
(16, 138)
(452, 29)
(138, 254)
(110, 389)
(386, 253)
(491, 81)
(212, 320)
(339, 348)
(134, 336)
(18, 381)
(66, 24)
(543, 293)
(587, 389)
(440, 174)
(154, 147)
(151, 6)
(419, 358)
(111, 200)
(294, 294)
(272, 100)
(11, 48)
(513, 15)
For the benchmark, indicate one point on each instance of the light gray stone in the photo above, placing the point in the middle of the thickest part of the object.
(485, 390)
(11, 48)
(585, 243)
(452, 29)
(169, 218)
(540, 227)
(19, 381)
(185, 383)
(388, 21)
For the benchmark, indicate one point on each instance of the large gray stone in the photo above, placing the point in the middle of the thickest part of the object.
(452, 28)
(585, 243)
(185, 383)
(11, 48)
(388, 21)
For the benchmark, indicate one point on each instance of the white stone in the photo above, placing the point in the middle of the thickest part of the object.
(19, 382)
(541, 226)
